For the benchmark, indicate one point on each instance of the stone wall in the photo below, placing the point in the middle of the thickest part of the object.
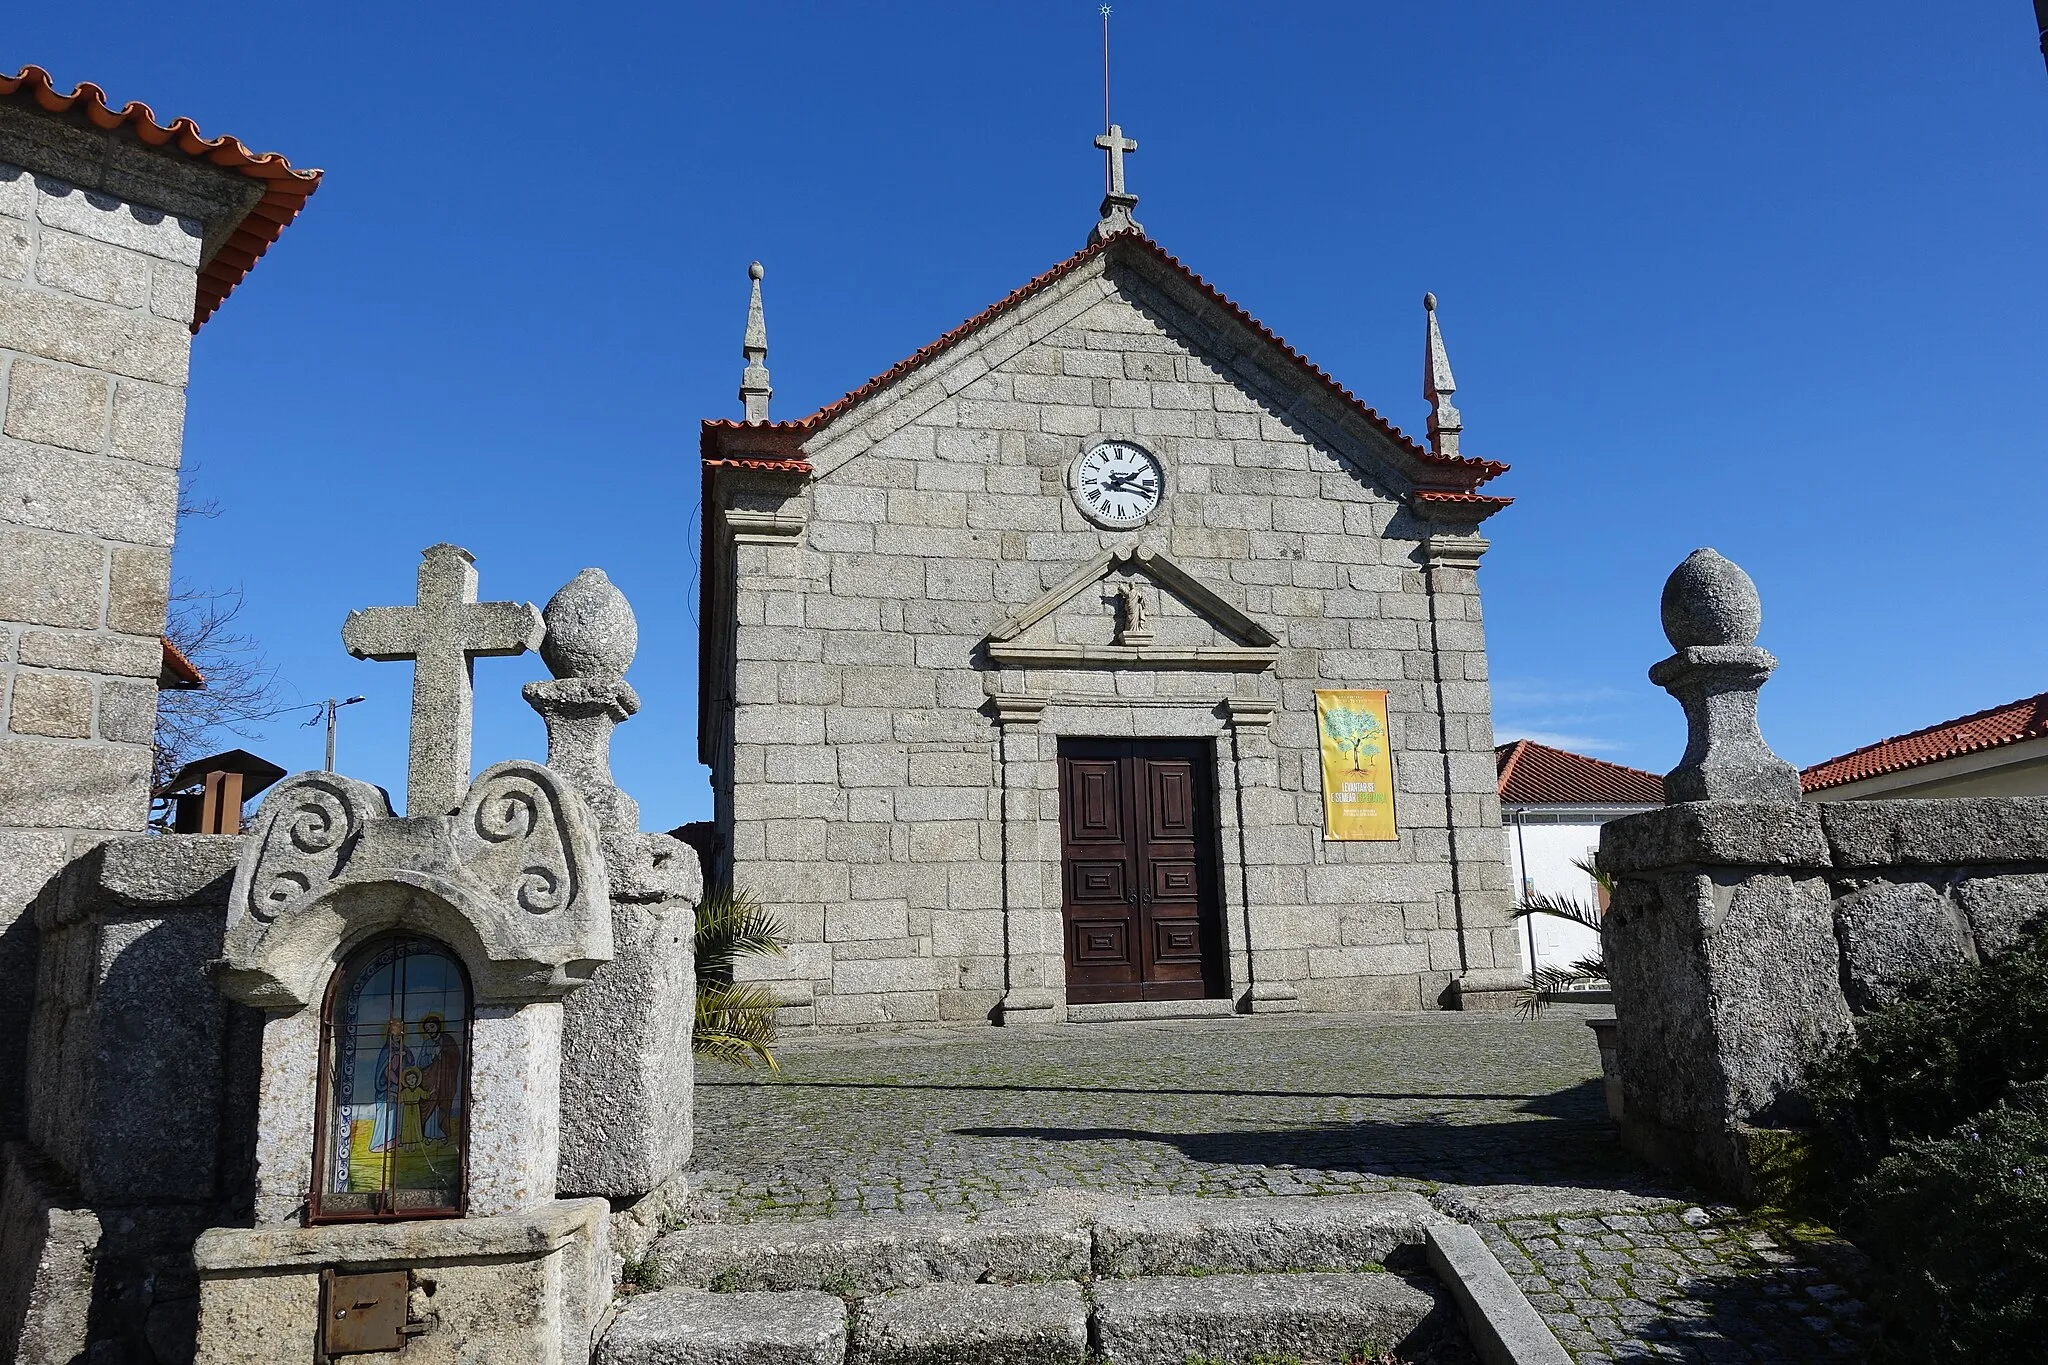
(141, 1102)
(96, 297)
(1745, 936)
(871, 792)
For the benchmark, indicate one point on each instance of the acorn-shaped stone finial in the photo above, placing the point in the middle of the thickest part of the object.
(1709, 600)
(591, 629)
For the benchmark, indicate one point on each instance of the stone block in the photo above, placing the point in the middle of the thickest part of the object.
(127, 711)
(14, 249)
(121, 656)
(173, 293)
(1715, 833)
(54, 704)
(1042, 1239)
(1178, 1235)
(175, 871)
(1973, 829)
(74, 786)
(49, 1247)
(974, 1324)
(93, 270)
(260, 1297)
(1235, 1317)
(138, 590)
(49, 579)
(1503, 1326)
(692, 1327)
(628, 1074)
(2000, 908)
(1891, 932)
(149, 423)
(104, 218)
(57, 406)
(79, 332)
(65, 490)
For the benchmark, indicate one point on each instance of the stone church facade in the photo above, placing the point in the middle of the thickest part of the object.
(993, 753)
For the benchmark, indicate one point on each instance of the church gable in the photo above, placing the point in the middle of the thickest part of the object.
(1106, 288)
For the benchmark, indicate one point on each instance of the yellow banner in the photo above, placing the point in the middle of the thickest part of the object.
(1358, 766)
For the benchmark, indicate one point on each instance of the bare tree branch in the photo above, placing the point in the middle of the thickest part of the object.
(241, 686)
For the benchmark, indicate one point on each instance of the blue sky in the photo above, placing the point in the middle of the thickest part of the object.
(1765, 277)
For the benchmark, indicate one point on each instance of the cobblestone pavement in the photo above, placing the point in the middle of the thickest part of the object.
(931, 1119)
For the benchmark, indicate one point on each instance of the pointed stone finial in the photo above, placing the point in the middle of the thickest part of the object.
(1445, 425)
(754, 390)
(1711, 616)
(1117, 203)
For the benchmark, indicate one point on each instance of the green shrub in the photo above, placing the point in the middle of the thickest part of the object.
(1935, 1147)
(1964, 1219)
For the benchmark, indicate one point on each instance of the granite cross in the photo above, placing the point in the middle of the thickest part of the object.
(441, 634)
(1116, 144)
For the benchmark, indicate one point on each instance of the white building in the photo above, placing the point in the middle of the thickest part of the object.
(1552, 804)
(1999, 752)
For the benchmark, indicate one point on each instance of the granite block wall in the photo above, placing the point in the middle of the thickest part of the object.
(1745, 936)
(868, 787)
(96, 297)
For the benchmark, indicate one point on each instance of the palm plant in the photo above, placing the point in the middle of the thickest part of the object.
(735, 1019)
(1546, 980)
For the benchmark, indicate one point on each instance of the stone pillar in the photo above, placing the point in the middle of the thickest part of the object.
(1034, 939)
(1720, 940)
(628, 1073)
(1275, 959)
(1475, 936)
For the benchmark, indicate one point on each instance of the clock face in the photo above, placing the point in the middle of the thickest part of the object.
(1118, 484)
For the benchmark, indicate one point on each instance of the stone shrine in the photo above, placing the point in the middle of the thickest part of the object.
(1011, 660)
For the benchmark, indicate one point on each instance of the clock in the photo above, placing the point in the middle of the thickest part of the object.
(1117, 484)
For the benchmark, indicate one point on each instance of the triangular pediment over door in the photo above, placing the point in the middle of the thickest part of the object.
(1132, 609)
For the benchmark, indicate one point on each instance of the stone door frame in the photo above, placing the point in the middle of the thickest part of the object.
(1245, 774)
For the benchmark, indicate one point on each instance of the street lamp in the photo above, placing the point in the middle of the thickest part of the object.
(332, 707)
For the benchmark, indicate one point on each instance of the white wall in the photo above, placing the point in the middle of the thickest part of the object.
(1542, 845)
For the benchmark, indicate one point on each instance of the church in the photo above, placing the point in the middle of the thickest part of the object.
(1103, 659)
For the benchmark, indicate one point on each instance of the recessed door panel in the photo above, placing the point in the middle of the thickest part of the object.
(1138, 826)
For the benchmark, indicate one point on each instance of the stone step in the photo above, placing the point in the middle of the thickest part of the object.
(973, 1324)
(1308, 1317)
(1187, 1234)
(1061, 1235)
(694, 1327)
(1042, 1239)
(1130, 1011)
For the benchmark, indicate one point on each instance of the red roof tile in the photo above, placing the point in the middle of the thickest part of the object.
(1533, 774)
(2024, 719)
(285, 189)
(176, 672)
(1463, 473)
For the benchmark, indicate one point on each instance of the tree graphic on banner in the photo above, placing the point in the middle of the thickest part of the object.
(1357, 732)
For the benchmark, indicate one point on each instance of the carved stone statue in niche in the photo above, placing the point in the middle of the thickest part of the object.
(1132, 625)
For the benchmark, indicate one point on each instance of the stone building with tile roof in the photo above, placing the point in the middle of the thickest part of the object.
(1552, 805)
(2002, 751)
(1010, 661)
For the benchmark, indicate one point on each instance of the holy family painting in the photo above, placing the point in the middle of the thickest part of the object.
(400, 1031)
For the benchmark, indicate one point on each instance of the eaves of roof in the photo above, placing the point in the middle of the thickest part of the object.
(2011, 723)
(177, 673)
(1460, 474)
(285, 188)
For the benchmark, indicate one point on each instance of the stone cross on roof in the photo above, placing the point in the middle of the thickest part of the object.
(1116, 144)
(441, 634)
(1117, 203)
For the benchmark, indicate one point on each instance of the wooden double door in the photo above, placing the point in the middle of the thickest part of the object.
(1139, 897)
